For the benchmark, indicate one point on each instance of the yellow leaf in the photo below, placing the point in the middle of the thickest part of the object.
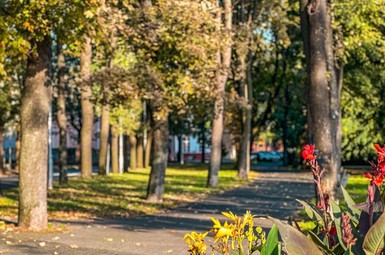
(222, 232)
(88, 14)
(217, 224)
(230, 215)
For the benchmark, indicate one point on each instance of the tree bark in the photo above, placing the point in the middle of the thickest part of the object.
(104, 132)
(147, 159)
(180, 149)
(61, 116)
(160, 149)
(132, 152)
(203, 137)
(139, 151)
(159, 162)
(148, 147)
(114, 149)
(244, 152)
(323, 91)
(35, 106)
(18, 148)
(335, 85)
(285, 124)
(224, 59)
(126, 142)
(87, 110)
(2, 170)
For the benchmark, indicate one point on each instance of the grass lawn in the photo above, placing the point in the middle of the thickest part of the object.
(357, 187)
(124, 195)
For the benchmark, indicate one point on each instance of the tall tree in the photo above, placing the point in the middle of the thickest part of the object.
(35, 105)
(132, 140)
(160, 145)
(114, 149)
(87, 109)
(104, 133)
(175, 50)
(323, 88)
(223, 61)
(61, 114)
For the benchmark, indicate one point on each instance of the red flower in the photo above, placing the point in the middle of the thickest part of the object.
(381, 167)
(380, 152)
(308, 152)
(375, 179)
(332, 231)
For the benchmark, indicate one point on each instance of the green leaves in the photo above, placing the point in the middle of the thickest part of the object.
(295, 242)
(313, 212)
(272, 246)
(336, 210)
(353, 212)
(374, 242)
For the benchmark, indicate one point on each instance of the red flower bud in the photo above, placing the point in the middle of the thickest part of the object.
(308, 152)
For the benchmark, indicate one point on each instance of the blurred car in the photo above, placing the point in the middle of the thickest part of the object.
(266, 156)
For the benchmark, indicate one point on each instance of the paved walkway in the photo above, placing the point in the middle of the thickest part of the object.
(272, 194)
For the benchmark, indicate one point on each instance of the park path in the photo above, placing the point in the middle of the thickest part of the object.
(273, 193)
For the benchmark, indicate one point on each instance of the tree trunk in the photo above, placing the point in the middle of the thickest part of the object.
(148, 152)
(147, 159)
(224, 59)
(104, 132)
(17, 148)
(114, 149)
(335, 85)
(323, 95)
(285, 124)
(244, 151)
(160, 149)
(139, 151)
(61, 116)
(159, 162)
(2, 171)
(87, 110)
(132, 152)
(126, 144)
(203, 137)
(180, 156)
(35, 106)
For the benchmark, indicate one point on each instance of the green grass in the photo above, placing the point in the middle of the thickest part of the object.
(124, 195)
(357, 187)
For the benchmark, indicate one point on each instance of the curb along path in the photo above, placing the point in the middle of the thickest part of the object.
(271, 194)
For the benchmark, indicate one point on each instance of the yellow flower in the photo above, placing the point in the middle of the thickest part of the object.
(196, 244)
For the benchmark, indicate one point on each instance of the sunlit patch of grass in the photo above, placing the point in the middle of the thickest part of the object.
(9, 204)
(357, 187)
(124, 195)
